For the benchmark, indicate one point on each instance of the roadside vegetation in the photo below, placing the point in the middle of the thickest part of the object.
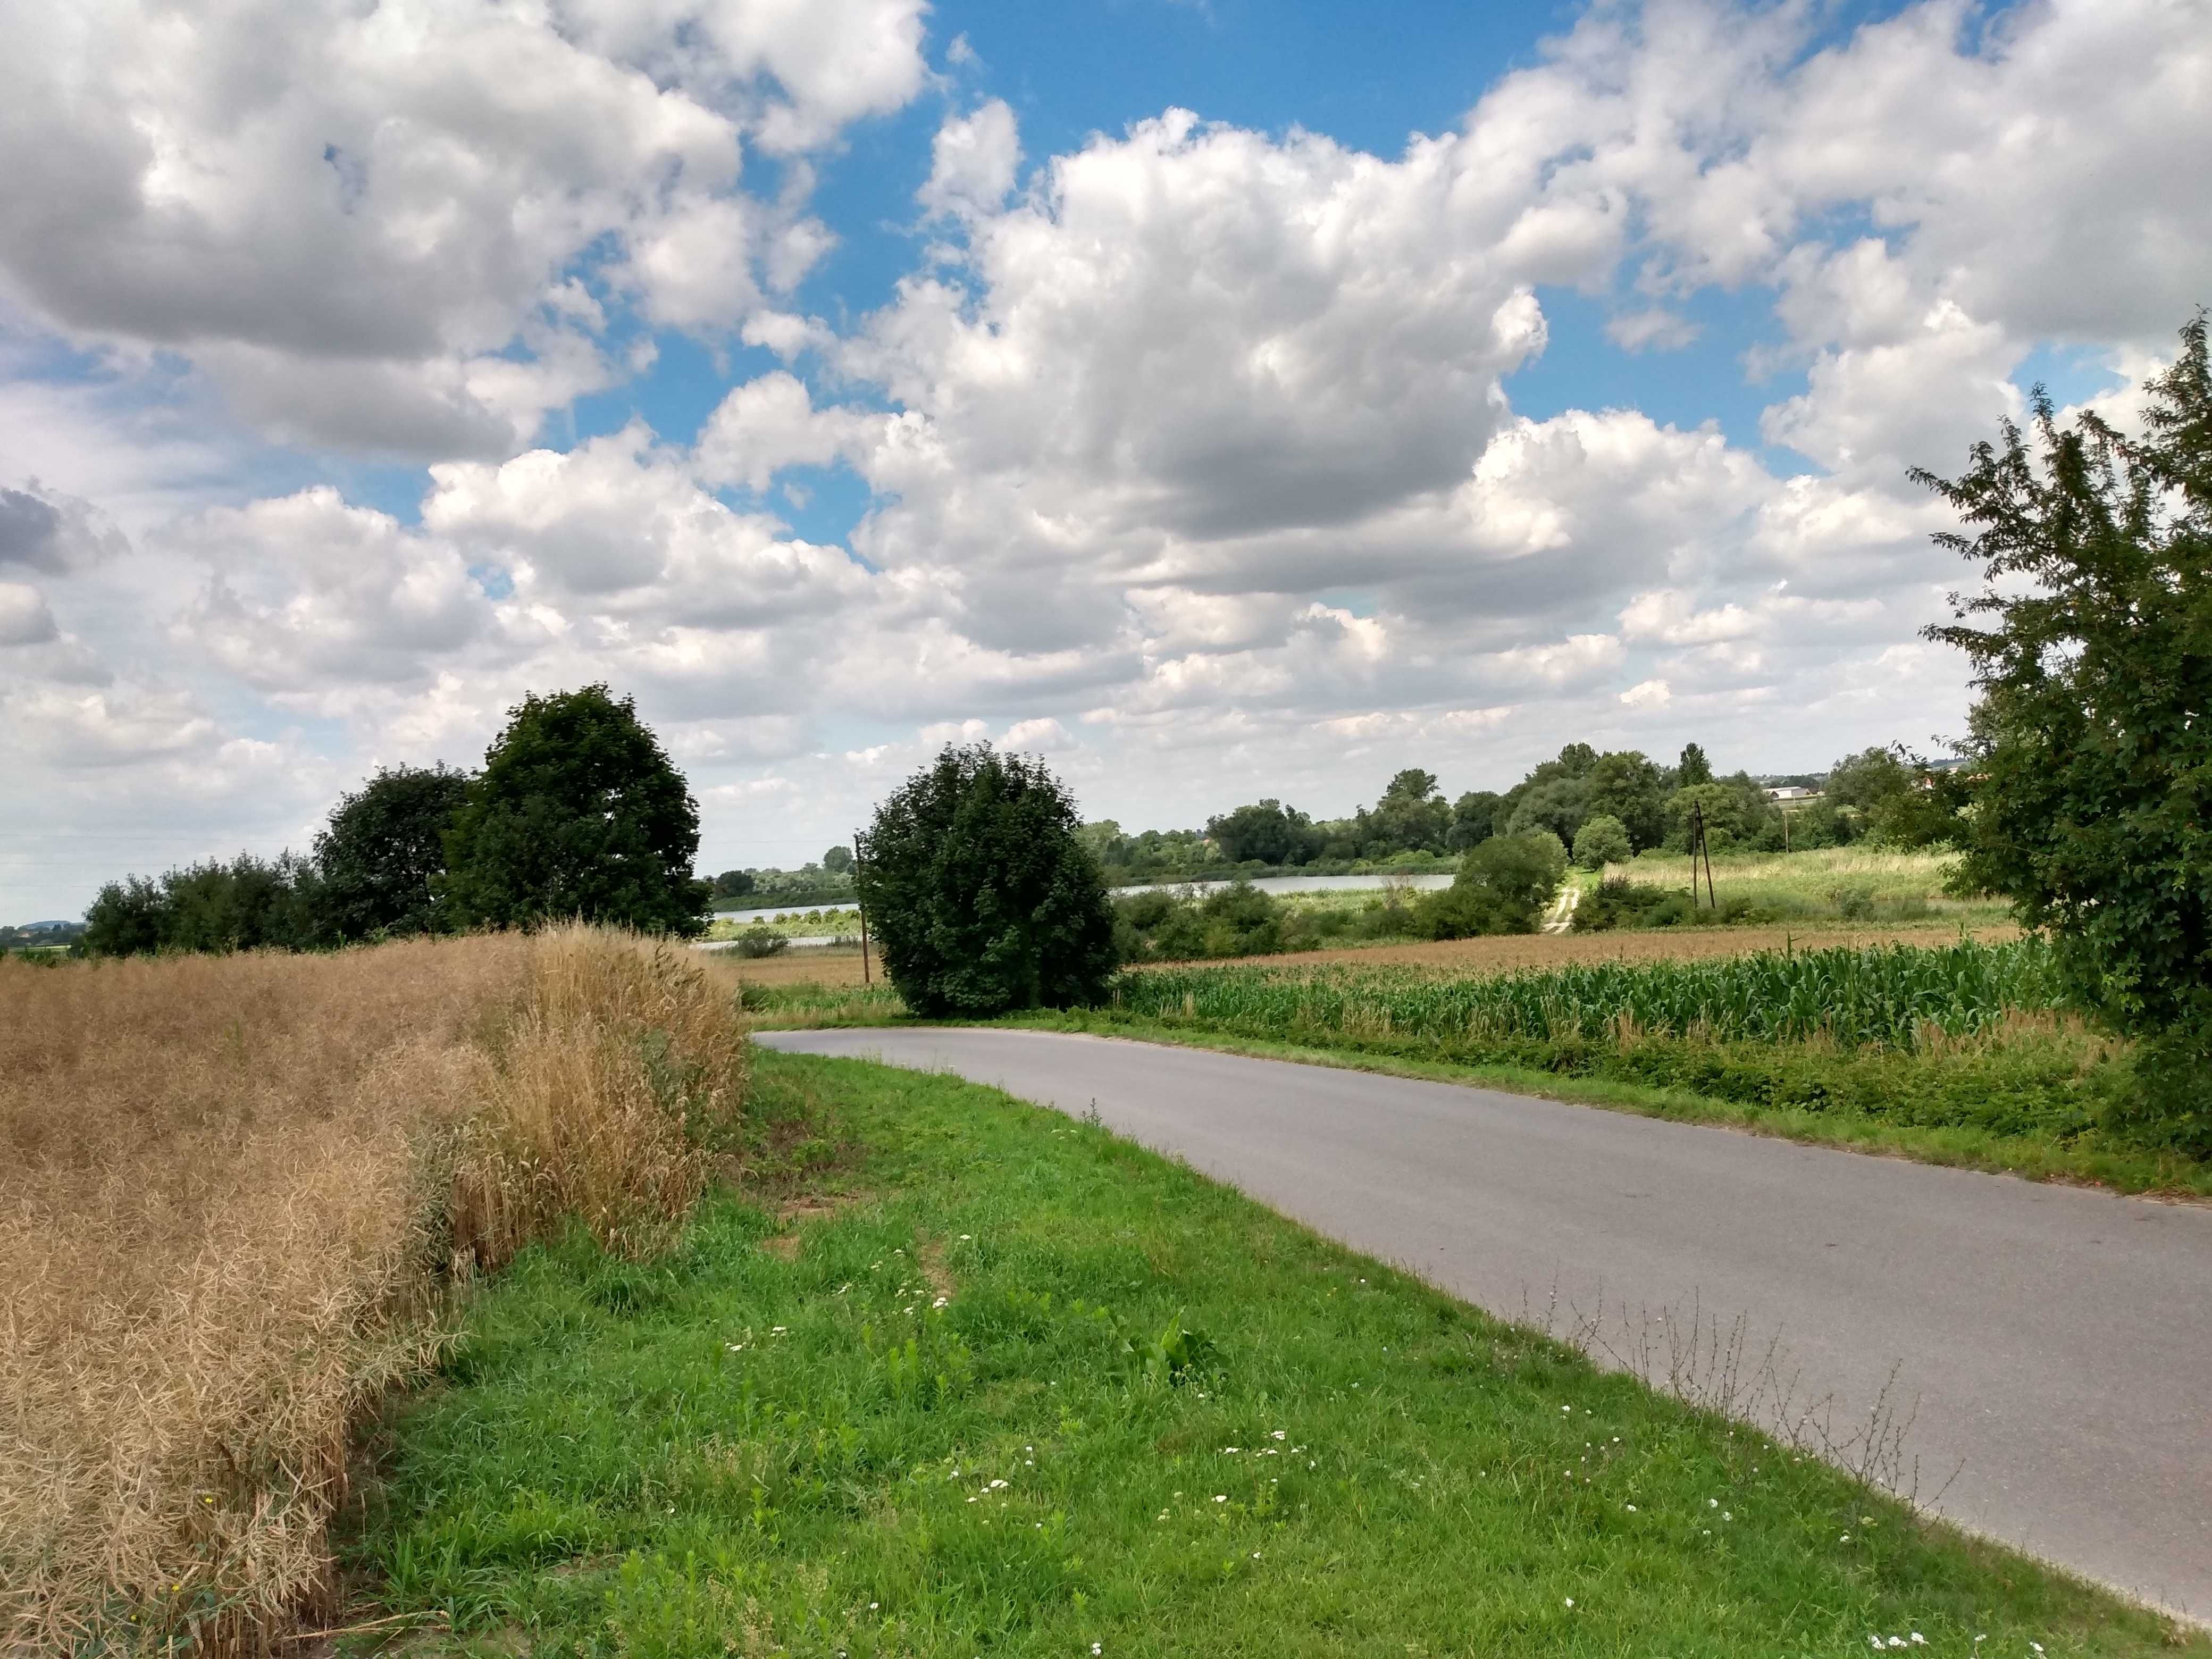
(1960, 1053)
(237, 1197)
(1002, 1383)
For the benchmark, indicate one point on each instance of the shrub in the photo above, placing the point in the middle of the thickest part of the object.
(980, 893)
(1502, 887)
(1601, 840)
(761, 942)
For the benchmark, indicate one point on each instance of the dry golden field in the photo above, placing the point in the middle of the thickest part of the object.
(234, 1195)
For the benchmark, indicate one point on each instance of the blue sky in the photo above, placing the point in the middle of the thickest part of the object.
(1452, 383)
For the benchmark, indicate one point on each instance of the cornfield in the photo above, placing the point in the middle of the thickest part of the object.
(1891, 995)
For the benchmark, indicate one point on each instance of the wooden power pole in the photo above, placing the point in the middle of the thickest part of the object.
(862, 907)
(1698, 850)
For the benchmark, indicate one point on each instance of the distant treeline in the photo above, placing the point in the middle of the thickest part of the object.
(1615, 804)
(826, 881)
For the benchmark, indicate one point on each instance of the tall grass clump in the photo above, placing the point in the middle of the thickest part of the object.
(236, 1195)
(1895, 995)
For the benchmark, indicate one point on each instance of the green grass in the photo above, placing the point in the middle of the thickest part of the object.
(1826, 886)
(1148, 1416)
(1952, 1061)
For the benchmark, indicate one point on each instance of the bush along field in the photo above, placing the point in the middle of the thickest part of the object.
(1958, 1054)
(1003, 1384)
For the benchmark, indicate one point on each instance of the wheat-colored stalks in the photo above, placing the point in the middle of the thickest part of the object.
(232, 1193)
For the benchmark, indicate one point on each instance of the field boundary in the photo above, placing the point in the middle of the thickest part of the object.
(2142, 1174)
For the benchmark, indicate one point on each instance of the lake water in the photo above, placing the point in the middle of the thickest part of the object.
(1265, 884)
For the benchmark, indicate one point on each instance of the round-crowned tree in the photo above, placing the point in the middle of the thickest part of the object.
(383, 851)
(579, 812)
(1601, 840)
(980, 893)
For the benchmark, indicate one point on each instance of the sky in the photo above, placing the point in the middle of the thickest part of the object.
(1221, 400)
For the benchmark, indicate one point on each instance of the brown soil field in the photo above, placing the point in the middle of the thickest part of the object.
(1496, 955)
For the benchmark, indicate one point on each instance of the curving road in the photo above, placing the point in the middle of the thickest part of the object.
(2051, 1345)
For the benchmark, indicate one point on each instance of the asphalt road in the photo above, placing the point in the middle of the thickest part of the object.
(2052, 1346)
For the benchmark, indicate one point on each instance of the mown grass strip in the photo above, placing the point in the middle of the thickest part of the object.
(1030, 1389)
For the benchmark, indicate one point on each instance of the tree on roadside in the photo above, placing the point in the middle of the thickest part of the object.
(980, 893)
(382, 852)
(2091, 642)
(579, 812)
(1693, 767)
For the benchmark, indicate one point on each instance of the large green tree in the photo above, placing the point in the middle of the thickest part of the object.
(2091, 642)
(579, 812)
(383, 851)
(980, 891)
(1266, 831)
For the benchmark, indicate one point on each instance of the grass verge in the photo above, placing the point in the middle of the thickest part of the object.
(2026, 1097)
(1021, 1387)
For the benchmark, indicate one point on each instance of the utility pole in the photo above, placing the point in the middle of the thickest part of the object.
(858, 854)
(1697, 846)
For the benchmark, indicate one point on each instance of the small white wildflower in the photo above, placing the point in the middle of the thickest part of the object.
(1896, 1641)
(1712, 1502)
(964, 1237)
(1278, 1435)
(1632, 1509)
(1571, 1600)
(872, 1606)
(940, 1302)
(997, 1486)
(1221, 1497)
(1919, 1640)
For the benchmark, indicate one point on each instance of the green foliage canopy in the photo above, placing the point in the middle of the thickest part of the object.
(1267, 831)
(578, 812)
(383, 850)
(2091, 642)
(1502, 887)
(980, 892)
(1601, 840)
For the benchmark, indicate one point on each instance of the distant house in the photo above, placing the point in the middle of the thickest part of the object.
(1791, 791)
